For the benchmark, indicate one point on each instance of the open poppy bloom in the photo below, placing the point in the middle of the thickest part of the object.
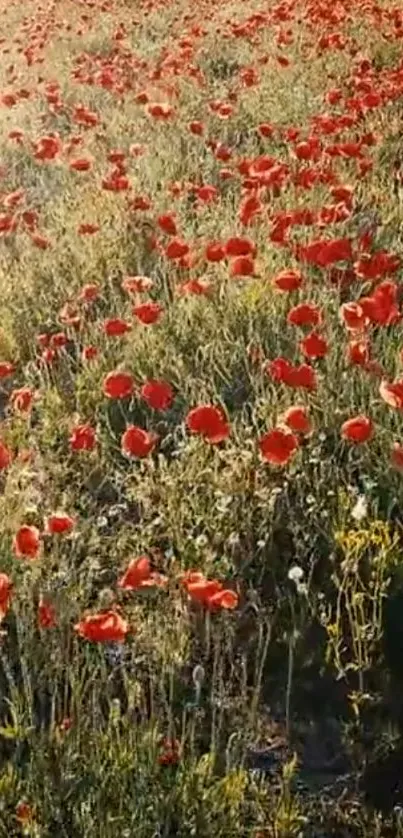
(357, 429)
(209, 422)
(170, 753)
(392, 393)
(88, 229)
(26, 543)
(209, 592)
(6, 369)
(158, 394)
(148, 313)
(89, 353)
(58, 524)
(104, 627)
(82, 438)
(118, 385)
(5, 456)
(166, 222)
(137, 284)
(137, 442)
(296, 376)
(243, 266)
(138, 570)
(296, 418)
(237, 246)
(215, 252)
(353, 317)
(314, 346)
(177, 249)
(5, 594)
(358, 353)
(225, 599)
(278, 446)
(304, 314)
(115, 327)
(46, 615)
(288, 280)
(21, 399)
(139, 575)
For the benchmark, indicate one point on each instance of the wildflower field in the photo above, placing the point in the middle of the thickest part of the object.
(201, 442)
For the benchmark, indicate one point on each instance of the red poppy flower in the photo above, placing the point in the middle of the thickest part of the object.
(160, 110)
(237, 246)
(176, 249)
(196, 127)
(21, 400)
(47, 148)
(357, 429)
(115, 327)
(396, 457)
(138, 570)
(26, 543)
(280, 369)
(5, 456)
(297, 419)
(89, 353)
(303, 376)
(392, 393)
(89, 293)
(215, 252)
(104, 627)
(325, 252)
(208, 421)
(24, 813)
(139, 575)
(377, 265)
(58, 523)
(358, 352)
(158, 394)
(148, 313)
(58, 340)
(288, 280)
(170, 752)
(225, 599)
(40, 241)
(195, 287)
(116, 182)
(6, 369)
(242, 266)
(82, 438)
(137, 284)
(48, 356)
(88, 229)
(381, 307)
(118, 385)
(265, 129)
(137, 442)
(201, 589)
(80, 164)
(314, 346)
(304, 314)
(353, 316)
(5, 594)
(278, 446)
(167, 224)
(46, 615)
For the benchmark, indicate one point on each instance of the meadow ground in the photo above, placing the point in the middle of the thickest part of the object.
(201, 391)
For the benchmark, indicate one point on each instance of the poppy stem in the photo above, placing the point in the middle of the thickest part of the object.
(290, 672)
